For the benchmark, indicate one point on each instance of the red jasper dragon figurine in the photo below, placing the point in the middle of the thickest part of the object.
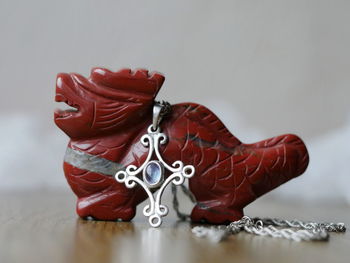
(114, 109)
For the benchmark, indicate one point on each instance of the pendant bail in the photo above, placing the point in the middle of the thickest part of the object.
(160, 109)
(157, 116)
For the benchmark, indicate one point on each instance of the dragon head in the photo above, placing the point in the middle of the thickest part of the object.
(105, 102)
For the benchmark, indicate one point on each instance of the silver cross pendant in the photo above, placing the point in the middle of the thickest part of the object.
(153, 170)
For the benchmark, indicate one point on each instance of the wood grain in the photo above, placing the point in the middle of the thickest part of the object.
(43, 227)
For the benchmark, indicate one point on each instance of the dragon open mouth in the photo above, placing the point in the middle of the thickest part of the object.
(70, 109)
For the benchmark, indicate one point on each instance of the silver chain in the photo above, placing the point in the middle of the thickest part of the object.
(295, 230)
(188, 193)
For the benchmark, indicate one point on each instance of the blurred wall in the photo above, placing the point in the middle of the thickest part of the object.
(266, 67)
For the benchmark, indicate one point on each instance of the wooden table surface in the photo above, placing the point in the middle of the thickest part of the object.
(42, 227)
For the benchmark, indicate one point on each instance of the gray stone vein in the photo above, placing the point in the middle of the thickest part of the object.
(91, 163)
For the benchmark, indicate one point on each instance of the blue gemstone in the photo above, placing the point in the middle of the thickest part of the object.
(153, 173)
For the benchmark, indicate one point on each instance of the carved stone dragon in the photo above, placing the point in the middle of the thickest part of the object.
(114, 109)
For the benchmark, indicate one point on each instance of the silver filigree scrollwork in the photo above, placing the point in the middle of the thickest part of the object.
(155, 210)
